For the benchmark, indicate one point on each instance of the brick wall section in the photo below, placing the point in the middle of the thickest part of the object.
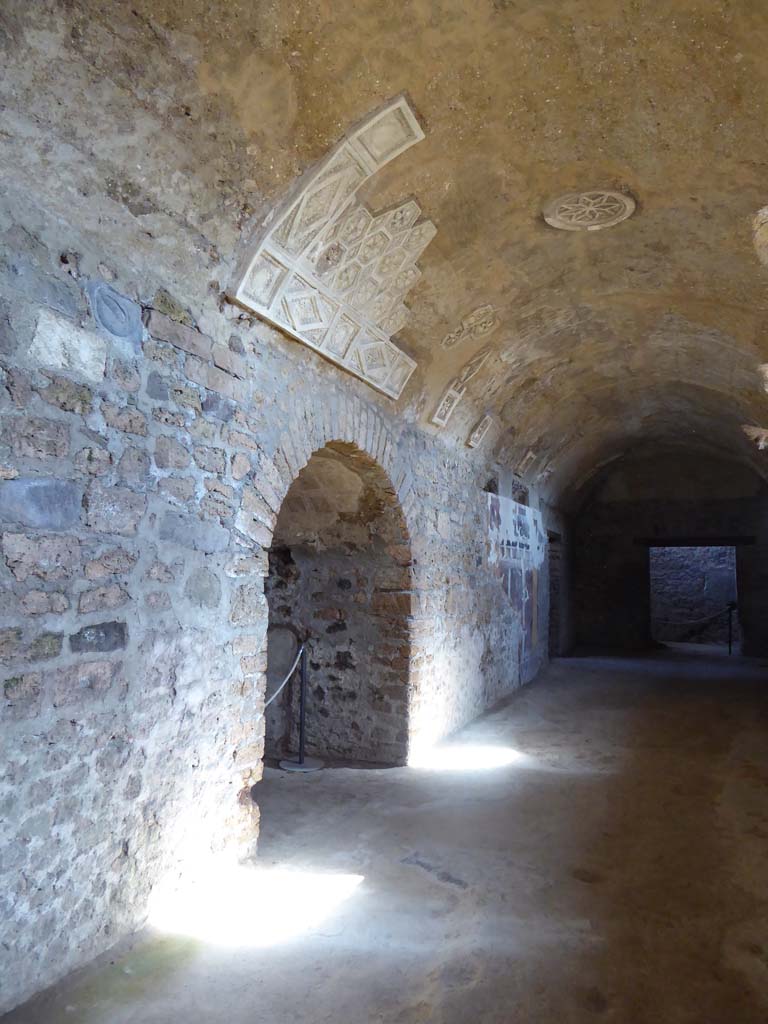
(140, 486)
(149, 435)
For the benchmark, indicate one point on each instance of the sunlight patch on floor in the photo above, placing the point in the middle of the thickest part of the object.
(249, 906)
(465, 757)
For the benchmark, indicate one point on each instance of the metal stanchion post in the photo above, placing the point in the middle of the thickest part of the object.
(302, 704)
(303, 763)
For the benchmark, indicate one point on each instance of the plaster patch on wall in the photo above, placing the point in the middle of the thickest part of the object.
(334, 275)
(517, 553)
(62, 345)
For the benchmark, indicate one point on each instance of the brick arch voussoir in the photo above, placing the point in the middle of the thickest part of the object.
(345, 420)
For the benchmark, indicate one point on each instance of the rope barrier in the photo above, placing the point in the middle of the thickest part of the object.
(279, 690)
(239, 769)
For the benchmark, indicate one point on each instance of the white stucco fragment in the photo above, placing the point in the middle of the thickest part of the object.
(61, 344)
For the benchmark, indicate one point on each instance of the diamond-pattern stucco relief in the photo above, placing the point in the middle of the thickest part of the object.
(334, 275)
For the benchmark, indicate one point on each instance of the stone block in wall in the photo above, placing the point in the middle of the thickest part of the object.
(157, 387)
(254, 664)
(67, 395)
(203, 589)
(220, 408)
(93, 461)
(114, 509)
(102, 599)
(23, 276)
(41, 502)
(76, 683)
(171, 454)
(203, 430)
(255, 509)
(238, 439)
(101, 637)
(179, 335)
(212, 460)
(191, 532)
(62, 345)
(218, 502)
(241, 466)
(33, 437)
(43, 602)
(248, 644)
(133, 467)
(18, 385)
(179, 489)
(47, 557)
(126, 418)
(215, 379)
(126, 376)
(113, 562)
(248, 605)
(168, 418)
(10, 643)
(248, 565)
(188, 397)
(229, 361)
(44, 647)
(23, 694)
(160, 572)
(250, 527)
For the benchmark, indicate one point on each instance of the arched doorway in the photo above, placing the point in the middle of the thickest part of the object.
(339, 575)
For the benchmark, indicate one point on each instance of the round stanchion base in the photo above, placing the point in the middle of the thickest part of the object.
(311, 764)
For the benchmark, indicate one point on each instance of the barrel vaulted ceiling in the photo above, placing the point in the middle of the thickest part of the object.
(653, 329)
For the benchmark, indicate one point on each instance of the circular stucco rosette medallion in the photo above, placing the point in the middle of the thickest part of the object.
(593, 210)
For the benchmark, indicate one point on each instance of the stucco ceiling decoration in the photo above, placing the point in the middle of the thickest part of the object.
(652, 329)
(589, 211)
(525, 463)
(479, 323)
(481, 428)
(757, 434)
(457, 389)
(334, 275)
(760, 234)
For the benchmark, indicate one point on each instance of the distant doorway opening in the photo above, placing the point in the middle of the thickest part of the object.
(692, 588)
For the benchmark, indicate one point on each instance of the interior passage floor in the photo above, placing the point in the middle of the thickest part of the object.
(593, 850)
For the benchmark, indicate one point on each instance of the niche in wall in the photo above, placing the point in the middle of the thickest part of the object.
(339, 575)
